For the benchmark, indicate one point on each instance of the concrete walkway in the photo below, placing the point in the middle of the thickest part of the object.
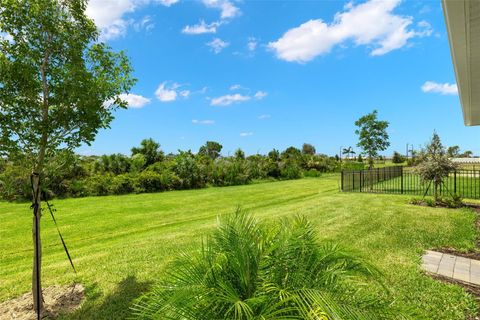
(455, 267)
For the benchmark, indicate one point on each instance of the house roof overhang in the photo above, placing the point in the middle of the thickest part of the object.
(462, 18)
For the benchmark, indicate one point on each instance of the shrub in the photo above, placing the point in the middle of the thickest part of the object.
(15, 183)
(98, 185)
(290, 170)
(123, 183)
(251, 270)
(398, 158)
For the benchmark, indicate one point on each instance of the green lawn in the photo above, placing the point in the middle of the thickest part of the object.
(122, 244)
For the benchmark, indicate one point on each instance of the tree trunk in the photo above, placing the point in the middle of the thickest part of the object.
(37, 245)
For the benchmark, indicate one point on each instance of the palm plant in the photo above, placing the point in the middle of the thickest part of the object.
(250, 270)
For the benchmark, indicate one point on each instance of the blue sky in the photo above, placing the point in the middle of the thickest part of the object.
(270, 74)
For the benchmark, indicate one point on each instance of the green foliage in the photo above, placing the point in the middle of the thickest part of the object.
(252, 270)
(55, 79)
(435, 165)
(309, 149)
(398, 158)
(70, 175)
(239, 154)
(211, 149)
(372, 135)
(188, 171)
(453, 151)
(150, 151)
(290, 170)
(122, 184)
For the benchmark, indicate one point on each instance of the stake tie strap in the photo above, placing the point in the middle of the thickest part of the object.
(35, 206)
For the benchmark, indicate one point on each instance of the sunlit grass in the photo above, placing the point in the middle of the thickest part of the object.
(122, 244)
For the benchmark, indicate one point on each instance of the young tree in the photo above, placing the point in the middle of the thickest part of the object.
(307, 148)
(211, 149)
(58, 87)
(435, 164)
(372, 135)
(150, 149)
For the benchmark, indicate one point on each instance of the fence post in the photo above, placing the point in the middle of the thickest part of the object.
(401, 174)
(455, 181)
(341, 182)
(361, 180)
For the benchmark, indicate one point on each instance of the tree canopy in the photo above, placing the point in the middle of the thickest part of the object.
(372, 135)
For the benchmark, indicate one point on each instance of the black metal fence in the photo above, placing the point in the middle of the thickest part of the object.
(404, 180)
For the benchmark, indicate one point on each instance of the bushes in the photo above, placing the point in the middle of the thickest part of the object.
(251, 270)
(70, 175)
(123, 183)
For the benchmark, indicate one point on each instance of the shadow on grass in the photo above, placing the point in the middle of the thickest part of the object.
(116, 305)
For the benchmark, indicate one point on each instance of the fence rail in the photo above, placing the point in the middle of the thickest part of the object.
(404, 180)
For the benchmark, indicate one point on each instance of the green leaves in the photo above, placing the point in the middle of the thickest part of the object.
(55, 79)
(372, 135)
(252, 270)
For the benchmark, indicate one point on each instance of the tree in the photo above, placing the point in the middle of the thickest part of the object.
(211, 149)
(239, 154)
(467, 154)
(307, 148)
(397, 158)
(435, 165)
(150, 149)
(291, 153)
(274, 155)
(453, 151)
(58, 87)
(348, 152)
(372, 135)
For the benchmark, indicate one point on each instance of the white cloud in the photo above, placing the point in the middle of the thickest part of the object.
(217, 45)
(146, 23)
(252, 44)
(166, 94)
(259, 95)
(246, 134)
(185, 93)
(227, 8)
(371, 23)
(109, 15)
(167, 3)
(442, 88)
(201, 28)
(204, 122)
(264, 116)
(134, 100)
(235, 87)
(229, 99)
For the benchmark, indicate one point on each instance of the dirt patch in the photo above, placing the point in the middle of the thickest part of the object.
(57, 300)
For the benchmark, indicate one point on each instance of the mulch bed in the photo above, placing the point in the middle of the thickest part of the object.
(57, 300)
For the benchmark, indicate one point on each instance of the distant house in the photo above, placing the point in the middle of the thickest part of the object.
(462, 18)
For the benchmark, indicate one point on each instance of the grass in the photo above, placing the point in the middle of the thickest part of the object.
(122, 244)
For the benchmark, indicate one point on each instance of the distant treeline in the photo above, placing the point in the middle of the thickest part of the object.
(148, 169)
